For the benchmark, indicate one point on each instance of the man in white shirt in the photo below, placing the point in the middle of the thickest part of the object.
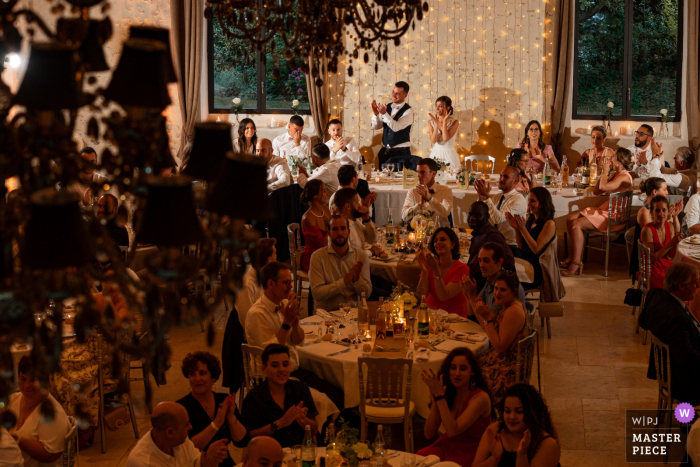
(511, 201)
(671, 176)
(263, 451)
(348, 178)
(641, 150)
(293, 142)
(326, 169)
(339, 272)
(395, 119)
(692, 214)
(343, 148)
(428, 195)
(349, 206)
(278, 173)
(167, 444)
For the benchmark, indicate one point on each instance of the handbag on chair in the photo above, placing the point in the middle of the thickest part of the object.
(116, 416)
(633, 297)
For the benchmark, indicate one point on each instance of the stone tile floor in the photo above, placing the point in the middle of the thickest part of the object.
(592, 369)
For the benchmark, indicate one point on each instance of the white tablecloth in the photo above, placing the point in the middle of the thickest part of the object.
(342, 370)
(392, 197)
(688, 253)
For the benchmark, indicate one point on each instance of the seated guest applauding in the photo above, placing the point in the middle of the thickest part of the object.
(326, 169)
(597, 218)
(662, 238)
(683, 163)
(168, 445)
(343, 148)
(279, 407)
(349, 206)
(667, 316)
(213, 415)
(692, 214)
(278, 173)
(491, 257)
(314, 222)
(293, 142)
(263, 451)
(40, 438)
(535, 235)
(504, 330)
(483, 232)
(274, 319)
(524, 434)
(247, 137)
(656, 168)
(263, 253)
(107, 209)
(641, 150)
(428, 195)
(651, 187)
(442, 272)
(339, 272)
(537, 151)
(518, 158)
(599, 151)
(510, 202)
(461, 402)
(348, 178)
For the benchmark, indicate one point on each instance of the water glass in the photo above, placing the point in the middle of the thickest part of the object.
(408, 460)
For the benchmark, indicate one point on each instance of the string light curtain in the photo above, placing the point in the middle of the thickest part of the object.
(459, 50)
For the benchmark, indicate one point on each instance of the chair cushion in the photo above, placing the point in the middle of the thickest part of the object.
(550, 310)
(389, 412)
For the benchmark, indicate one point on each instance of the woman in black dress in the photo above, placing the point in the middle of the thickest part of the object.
(213, 415)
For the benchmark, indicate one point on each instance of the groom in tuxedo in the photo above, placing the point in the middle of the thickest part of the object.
(396, 120)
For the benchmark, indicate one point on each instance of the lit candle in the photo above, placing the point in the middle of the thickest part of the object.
(588, 130)
(218, 119)
(412, 237)
(616, 134)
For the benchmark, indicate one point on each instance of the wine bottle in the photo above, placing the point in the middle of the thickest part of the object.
(308, 449)
(564, 172)
(423, 320)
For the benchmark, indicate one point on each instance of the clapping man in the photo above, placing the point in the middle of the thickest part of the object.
(343, 148)
(395, 119)
(278, 173)
(482, 233)
(428, 195)
(510, 201)
(279, 407)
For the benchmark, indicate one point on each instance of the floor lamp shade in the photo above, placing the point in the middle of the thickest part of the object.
(56, 236)
(212, 141)
(140, 79)
(51, 80)
(240, 190)
(169, 218)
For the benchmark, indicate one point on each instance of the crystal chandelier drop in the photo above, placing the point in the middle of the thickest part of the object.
(324, 30)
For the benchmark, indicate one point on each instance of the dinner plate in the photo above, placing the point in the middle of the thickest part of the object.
(687, 240)
(387, 260)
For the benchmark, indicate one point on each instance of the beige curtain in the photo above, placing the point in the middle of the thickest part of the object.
(692, 77)
(318, 99)
(563, 59)
(187, 19)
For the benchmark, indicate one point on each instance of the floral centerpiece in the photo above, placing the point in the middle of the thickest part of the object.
(237, 107)
(465, 178)
(441, 164)
(294, 161)
(609, 113)
(422, 222)
(350, 448)
(663, 131)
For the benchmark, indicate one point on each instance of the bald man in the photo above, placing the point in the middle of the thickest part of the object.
(263, 451)
(167, 444)
(278, 173)
(510, 200)
(107, 207)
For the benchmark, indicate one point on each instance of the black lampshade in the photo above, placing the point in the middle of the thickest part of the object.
(89, 36)
(212, 140)
(140, 79)
(240, 190)
(158, 34)
(51, 81)
(57, 235)
(170, 218)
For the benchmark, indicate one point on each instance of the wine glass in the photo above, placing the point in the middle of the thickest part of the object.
(391, 167)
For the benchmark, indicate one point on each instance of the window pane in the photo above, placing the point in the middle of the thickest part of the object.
(233, 76)
(600, 56)
(654, 63)
(291, 84)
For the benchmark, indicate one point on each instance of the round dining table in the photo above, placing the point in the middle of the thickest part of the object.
(325, 359)
(688, 253)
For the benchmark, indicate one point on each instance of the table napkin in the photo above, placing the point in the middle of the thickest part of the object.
(456, 317)
(322, 313)
(451, 344)
(423, 355)
(430, 460)
(409, 259)
(471, 337)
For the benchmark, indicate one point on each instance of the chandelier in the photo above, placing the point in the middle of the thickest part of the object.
(317, 28)
(53, 244)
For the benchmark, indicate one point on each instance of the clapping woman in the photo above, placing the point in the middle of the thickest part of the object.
(213, 415)
(461, 403)
(518, 158)
(524, 434)
(662, 238)
(537, 150)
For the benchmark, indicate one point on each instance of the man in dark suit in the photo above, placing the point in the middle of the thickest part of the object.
(668, 318)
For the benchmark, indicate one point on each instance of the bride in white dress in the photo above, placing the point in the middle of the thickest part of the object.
(443, 131)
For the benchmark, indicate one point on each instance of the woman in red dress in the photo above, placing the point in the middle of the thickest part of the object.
(662, 238)
(444, 265)
(314, 222)
(461, 402)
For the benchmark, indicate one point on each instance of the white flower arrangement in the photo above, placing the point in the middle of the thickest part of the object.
(237, 106)
(609, 111)
(295, 107)
(611, 105)
(237, 100)
(664, 115)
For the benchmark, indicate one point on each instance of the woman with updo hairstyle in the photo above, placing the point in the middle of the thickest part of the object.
(608, 183)
(314, 222)
(247, 137)
(461, 403)
(442, 128)
(538, 151)
(518, 158)
(662, 238)
(523, 435)
(599, 151)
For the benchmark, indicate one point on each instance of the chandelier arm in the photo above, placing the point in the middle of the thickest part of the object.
(32, 17)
